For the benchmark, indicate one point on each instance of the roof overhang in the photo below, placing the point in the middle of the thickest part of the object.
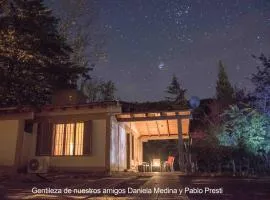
(14, 113)
(157, 125)
(149, 116)
(30, 112)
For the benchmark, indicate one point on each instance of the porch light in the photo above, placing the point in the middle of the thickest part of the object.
(156, 162)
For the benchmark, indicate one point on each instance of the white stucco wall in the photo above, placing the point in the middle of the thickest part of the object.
(114, 147)
(8, 141)
(27, 150)
(12, 139)
(118, 151)
(122, 148)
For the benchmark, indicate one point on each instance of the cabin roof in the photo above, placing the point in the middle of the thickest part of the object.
(22, 109)
(127, 107)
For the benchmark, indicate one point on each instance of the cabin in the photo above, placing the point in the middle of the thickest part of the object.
(77, 136)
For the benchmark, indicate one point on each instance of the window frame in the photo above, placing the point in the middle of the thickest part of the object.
(65, 136)
(45, 137)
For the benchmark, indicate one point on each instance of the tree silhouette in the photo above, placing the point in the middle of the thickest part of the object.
(176, 92)
(224, 90)
(35, 58)
(98, 90)
(261, 80)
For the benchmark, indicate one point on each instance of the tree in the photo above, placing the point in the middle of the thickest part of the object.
(35, 58)
(3, 6)
(98, 90)
(79, 24)
(241, 96)
(208, 149)
(261, 80)
(246, 130)
(108, 91)
(176, 92)
(91, 89)
(261, 94)
(224, 90)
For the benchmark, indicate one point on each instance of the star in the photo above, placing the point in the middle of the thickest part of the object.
(189, 36)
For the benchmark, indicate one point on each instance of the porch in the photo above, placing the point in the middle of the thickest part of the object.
(137, 128)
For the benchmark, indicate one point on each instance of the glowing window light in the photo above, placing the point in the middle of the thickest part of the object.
(68, 139)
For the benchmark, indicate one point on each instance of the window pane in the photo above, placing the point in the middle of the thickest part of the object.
(79, 139)
(68, 139)
(58, 139)
(69, 142)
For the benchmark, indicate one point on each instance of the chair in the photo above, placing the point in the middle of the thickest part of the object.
(170, 162)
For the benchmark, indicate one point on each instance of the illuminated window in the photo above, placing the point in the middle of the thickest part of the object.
(68, 139)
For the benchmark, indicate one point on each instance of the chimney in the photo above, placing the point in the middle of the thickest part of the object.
(68, 97)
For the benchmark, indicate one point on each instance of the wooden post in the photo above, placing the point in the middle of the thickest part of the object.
(140, 151)
(180, 144)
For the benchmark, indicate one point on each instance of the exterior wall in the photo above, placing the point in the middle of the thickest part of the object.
(28, 146)
(99, 159)
(122, 148)
(96, 161)
(114, 159)
(9, 130)
(133, 146)
(138, 152)
(26, 150)
(118, 150)
(132, 152)
(17, 146)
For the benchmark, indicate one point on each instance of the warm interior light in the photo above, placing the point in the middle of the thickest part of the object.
(156, 162)
(68, 139)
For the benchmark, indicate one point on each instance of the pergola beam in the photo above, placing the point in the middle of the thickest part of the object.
(168, 128)
(158, 128)
(185, 136)
(148, 130)
(161, 137)
(132, 119)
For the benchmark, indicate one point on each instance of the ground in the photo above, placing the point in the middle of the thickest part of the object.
(126, 186)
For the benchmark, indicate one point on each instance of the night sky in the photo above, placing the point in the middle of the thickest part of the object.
(150, 40)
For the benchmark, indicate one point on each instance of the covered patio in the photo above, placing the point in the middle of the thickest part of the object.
(144, 126)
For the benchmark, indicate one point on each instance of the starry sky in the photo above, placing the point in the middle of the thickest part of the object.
(150, 40)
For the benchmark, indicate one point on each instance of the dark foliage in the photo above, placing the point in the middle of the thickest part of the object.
(176, 93)
(261, 80)
(34, 57)
(224, 90)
